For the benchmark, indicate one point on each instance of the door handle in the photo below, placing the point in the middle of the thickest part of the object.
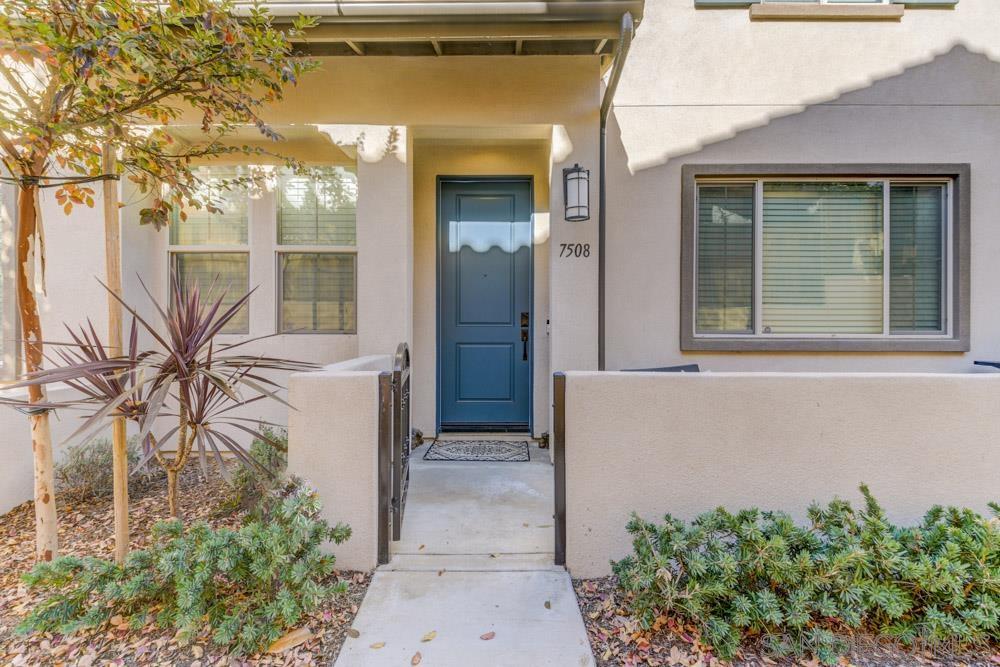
(525, 322)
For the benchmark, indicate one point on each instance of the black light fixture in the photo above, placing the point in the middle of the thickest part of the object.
(576, 193)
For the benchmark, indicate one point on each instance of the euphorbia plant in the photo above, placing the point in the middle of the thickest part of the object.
(184, 393)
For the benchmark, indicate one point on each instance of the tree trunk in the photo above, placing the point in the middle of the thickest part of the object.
(172, 493)
(46, 527)
(113, 271)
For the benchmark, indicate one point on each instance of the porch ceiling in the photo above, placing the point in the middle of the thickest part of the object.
(461, 27)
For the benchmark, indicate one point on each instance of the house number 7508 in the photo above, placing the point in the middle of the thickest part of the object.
(574, 250)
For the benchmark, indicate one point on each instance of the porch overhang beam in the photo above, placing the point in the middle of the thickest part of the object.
(424, 11)
(445, 32)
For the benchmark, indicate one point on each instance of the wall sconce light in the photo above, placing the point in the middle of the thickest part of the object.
(576, 193)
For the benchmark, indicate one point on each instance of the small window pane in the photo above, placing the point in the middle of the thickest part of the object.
(226, 228)
(228, 271)
(318, 293)
(319, 209)
(725, 258)
(822, 270)
(916, 264)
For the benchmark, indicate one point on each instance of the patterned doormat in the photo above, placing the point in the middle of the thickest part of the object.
(478, 450)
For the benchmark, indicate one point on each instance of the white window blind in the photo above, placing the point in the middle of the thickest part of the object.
(725, 258)
(318, 293)
(228, 271)
(318, 209)
(917, 241)
(822, 258)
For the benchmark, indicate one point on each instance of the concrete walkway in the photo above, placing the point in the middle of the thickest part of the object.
(475, 558)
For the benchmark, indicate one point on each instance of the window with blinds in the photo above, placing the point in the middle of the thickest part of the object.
(228, 226)
(317, 223)
(822, 258)
(916, 258)
(725, 258)
(318, 293)
(217, 274)
(213, 247)
(319, 208)
(806, 258)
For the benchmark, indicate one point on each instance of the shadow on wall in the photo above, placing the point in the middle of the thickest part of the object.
(652, 136)
(946, 110)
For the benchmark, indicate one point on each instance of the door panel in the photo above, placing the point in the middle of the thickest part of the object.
(484, 285)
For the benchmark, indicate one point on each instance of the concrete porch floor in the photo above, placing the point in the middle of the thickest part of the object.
(476, 556)
(470, 508)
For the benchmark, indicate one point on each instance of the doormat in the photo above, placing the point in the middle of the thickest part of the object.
(479, 450)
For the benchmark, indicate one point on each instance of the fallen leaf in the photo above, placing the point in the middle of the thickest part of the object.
(429, 636)
(352, 633)
(415, 660)
(421, 547)
(291, 640)
(488, 636)
(377, 645)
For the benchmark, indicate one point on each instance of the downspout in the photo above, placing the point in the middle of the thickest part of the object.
(621, 53)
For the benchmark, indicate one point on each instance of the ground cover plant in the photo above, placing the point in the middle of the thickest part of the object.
(85, 532)
(249, 585)
(755, 576)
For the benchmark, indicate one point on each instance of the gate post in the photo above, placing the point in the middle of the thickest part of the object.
(384, 464)
(559, 459)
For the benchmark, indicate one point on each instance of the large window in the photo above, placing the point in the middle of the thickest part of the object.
(795, 262)
(316, 226)
(211, 249)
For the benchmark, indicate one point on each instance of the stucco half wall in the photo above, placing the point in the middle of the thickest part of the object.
(332, 436)
(686, 443)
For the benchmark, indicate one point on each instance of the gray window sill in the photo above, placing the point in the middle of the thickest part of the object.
(809, 12)
(701, 344)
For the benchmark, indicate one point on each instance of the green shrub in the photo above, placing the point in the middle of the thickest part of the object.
(249, 585)
(85, 471)
(757, 574)
(249, 483)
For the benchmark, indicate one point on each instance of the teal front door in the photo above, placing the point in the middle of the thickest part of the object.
(484, 304)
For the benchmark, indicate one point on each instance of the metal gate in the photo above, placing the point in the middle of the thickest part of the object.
(394, 434)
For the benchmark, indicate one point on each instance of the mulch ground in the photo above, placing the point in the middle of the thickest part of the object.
(85, 529)
(617, 640)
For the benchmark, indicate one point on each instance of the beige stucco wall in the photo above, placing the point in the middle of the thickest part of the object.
(710, 86)
(333, 445)
(461, 158)
(686, 443)
(17, 471)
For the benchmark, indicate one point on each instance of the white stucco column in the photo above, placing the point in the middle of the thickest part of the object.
(385, 248)
(573, 267)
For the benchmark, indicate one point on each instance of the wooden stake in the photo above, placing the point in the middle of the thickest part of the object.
(119, 437)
